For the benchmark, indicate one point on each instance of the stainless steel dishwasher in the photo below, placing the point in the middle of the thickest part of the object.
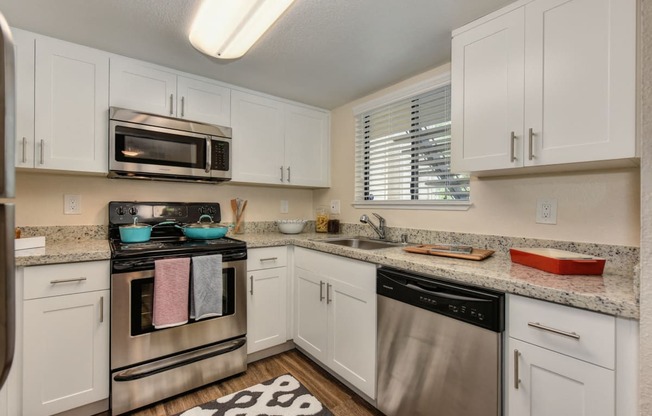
(439, 347)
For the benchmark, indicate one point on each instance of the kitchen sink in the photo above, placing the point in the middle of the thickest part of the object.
(363, 243)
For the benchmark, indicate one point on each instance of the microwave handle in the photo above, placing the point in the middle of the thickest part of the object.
(208, 154)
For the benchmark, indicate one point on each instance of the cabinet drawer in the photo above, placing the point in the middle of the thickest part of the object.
(267, 258)
(65, 279)
(578, 333)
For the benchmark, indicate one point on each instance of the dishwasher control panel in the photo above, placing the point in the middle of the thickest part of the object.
(476, 306)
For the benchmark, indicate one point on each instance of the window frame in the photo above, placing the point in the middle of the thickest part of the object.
(405, 93)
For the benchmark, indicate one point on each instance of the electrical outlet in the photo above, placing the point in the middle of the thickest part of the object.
(284, 206)
(335, 206)
(72, 204)
(546, 211)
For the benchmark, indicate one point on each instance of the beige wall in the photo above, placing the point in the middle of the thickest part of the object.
(39, 198)
(600, 207)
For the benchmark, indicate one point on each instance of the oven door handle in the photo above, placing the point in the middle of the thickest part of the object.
(154, 368)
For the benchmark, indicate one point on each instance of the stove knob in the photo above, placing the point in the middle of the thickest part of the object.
(133, 211)
(201, 210)
(120, 211)
(212, 210)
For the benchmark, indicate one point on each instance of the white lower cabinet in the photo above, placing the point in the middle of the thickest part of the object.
(335, 315)
(562, 361)
(553, 384)
(65, 337)
(266, 298)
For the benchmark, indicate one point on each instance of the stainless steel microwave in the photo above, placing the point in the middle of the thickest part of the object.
(149, 146)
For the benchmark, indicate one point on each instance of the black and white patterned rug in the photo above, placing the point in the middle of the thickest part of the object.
(282, 396)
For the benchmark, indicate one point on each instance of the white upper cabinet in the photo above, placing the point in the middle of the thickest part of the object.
(279, 143)
(545, 82)
(62, 101)
(149, 88)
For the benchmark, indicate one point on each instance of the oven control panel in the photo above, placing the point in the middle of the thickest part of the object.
(156, 212)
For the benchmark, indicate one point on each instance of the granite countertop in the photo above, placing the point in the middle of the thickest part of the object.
(611, 293)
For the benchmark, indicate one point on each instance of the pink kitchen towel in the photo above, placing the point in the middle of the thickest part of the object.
(171, 287)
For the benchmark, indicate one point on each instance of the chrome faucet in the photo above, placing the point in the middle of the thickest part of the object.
(380, 230)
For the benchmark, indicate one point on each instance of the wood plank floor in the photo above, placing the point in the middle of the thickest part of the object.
(339, 399)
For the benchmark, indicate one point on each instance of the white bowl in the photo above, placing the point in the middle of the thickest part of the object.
(291, 226)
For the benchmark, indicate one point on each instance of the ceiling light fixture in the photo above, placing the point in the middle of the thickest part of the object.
(226, 29)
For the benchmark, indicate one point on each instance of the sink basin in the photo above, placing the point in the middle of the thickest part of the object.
(362, 243)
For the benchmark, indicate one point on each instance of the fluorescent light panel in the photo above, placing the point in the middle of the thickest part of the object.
(226, 29)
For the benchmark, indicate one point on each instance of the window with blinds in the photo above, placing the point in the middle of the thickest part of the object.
(403, 151)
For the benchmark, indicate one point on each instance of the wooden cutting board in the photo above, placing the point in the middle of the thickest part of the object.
(476, 254)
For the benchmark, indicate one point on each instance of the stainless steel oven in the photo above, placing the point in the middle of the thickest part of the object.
(149, 364)
(148, 146)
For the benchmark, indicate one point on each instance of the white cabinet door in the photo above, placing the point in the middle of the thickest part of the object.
(307, 134)
(203, 101)
(71, 103)
(66, 352)
(311, 319)
(266, 308)
(581, 77)
(141, 87)
(487, 95)
(24, 44)
(530, 88)
(149, 88)
(258, 139)
(553, 384)
(352, 335)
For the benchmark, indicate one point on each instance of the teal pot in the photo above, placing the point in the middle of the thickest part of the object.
(204, 230)
(135, 233)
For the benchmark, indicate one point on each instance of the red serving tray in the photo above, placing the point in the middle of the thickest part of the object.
(554, 262)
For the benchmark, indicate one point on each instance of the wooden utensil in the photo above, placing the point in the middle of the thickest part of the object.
(476, 254)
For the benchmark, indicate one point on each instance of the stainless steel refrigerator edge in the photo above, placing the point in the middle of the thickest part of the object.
(7, 190)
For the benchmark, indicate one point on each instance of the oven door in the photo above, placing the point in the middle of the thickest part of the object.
(133, 338)
(148, 150)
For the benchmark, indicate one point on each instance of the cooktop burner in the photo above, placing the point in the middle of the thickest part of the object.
(167, 239)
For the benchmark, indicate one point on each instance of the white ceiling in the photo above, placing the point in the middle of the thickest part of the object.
(321, 52)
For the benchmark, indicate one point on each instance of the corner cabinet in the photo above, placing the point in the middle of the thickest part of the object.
(530, 89)
(62, 96)
(266, 298)
(567, 361)
(65, 338)
(279, 143)
(149, 88)
(335, 315)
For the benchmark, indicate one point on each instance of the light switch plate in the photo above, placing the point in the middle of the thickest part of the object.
(285, 206)
(335, 206)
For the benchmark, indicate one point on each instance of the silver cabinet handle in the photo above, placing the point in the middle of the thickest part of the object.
(171, 104)
(183, 106)
(281, 173)
(512, 144)
(516, 379)
(537, 325)
(321, 290)
(209, 154)
(288, 174)
(269, 259)
(24, 149)
(101, 309)
(328, 293)
(42, 151)
(530, 152)
(251, 279)
(78, 279)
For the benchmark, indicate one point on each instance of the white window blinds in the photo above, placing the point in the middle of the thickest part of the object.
(403, 151)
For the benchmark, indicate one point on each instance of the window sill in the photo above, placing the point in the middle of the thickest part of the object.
(429, 205)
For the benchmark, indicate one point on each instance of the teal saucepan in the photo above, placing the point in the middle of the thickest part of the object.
(202, 230)
(135, 233)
